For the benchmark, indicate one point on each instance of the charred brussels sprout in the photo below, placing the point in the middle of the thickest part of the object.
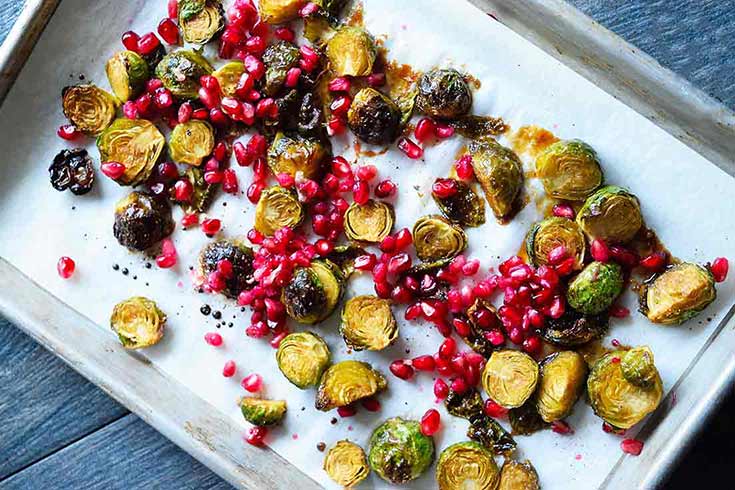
(510, 377)
(500, 174)
(72, 169)
(467, 405)
(89, 108)
(518, 476)
(569, 170)
(180, 72)
(399, 452)
(491, 434)
(595, 289)
(525, 420)
(278, 207)
(346, 464)
(262, 412)
(435, 238)
(136, 143)
(138, 322)
(347, 382)
(546, 235)
(141, 221)
(191, 142)
(293, 153)
(611, 214)
(563, 375)
(280, 11)
(573, 328)
(279, 58)
(369, 222)
(373, 117)
(228, 76)
(204, 25)
(313, 292)
(127, 73)
(368, 323)
(464, 207)
(241, 258)
(467, 465)
(638, 367)
(444, 93)
(678, 294)
(351, 52)
(302, 358)
(474, 127)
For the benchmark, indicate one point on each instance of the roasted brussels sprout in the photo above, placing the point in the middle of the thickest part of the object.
(141, 221)
(373, 117)
(573, 329)
(293, 153)
(279, 58)
(616, 400)
(262, 412)
(180, 72)
(476, 338)
(228, 76)
(638, 367)
(546, 235)
(611, 214)
(191, 142)
(467, 405)
(72, 169)
(241, 258)
(444, 93)
(347, 382)
(369, 222)
(500, 174)
(351, 52)
(203, 191)
(525, 420)
(491, 434)
(510, 377)
(204, 25)
(279, 11)
(563, 375)
(467, 465)
(474, 127)
(678, 294)
(127, 73)
(313, 292)
(278, 207)
(346, 464)
(464, 207)
(436, 238)
(595, 289)
(189, 8)
(302, 358)
(518, 476)
(399, 452)
(368, 323)
(89, 108)
(136, 143)
(138, 322)
(569, 170)
(343, 256)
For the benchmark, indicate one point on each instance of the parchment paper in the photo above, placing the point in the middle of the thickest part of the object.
(685, 198)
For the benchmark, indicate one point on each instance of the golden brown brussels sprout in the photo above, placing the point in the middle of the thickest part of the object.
(518, 476)
(347, 382)
(368, 323)
(279, 58)
(678, 294)
(191, 142)
(369, 222)
(500, 174)
(127, 73)
(525, 420)
(616, 400)
(464, 207)
(373, 117)
(293, 153)
(89, 108)
(228, 77)
(279, 11)
(313, 292)
(138, 322)
(399, 452)
(638, 367)
(141, 221)
(346, 464)
(351, 52)
(73, 170)
(444, 93)
(180, 72)
(262, 412)
(467, 465)
(491, 435)
(546, 235)
(595, 289)
(241, 258)
(435, 238)
(573, 329)
(569, 170)
(278, 207)
(510, 377)
(302, 357)
(466, 405)
(563, 375)
(205, 25)
(611, 214)
(136, 143)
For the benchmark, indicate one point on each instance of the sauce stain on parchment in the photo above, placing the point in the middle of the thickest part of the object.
(531, 140)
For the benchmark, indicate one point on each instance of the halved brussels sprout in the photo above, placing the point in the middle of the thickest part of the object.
(467, 465)
(343, 256)
(346, 464)
(228, 76)
(573, 329)
(616, 400)
(180, 72)
(313, 292)
(510, 377)
(368, 323)
(351, 52)
(436, 238)
(464, 207)
(292, 154)
(638, 367)
(544, 236)
(136, 143)
(500, 174)
(569, 170)
(202, 27)
(444, 93)
(279, 58)
(262, 412)
(191, 142)
(369, 222)
(563, 375)
(73, 170)
(127, 73)
(611, 214)
(138, 322)
(518, 476)
(595, 289)
(203, 191)
(678, 294)
(373, 117)
(279, 11)
(491, 434)
(347, 382)
(141, 221)
(278, 207)
(525, 420)
(89, 108)
(189, 8)
(466, 405)
(238, 254)
(399, 452)
(302, 358)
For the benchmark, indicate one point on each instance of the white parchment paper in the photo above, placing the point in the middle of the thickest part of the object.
(685, 198)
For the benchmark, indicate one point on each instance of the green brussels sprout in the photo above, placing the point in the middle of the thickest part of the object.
(203, 26)
(369, 222)
(678, 294)
(278, 59)
(138, 322)
(313, 292)
(563, 375)
(347, 382)
(189, 8)
(616, 400)
(491, 434)
(228, 76)
(595, 289)
(510, 377)
(573, 328)
(292, 154)
(89, 108)
(136, 143)
(569, 170)
(525, 420)
(500, 174)
(475, 127)
(467, 405)
(373, 117)
(262, 412)
(241, 258)
(518, 476)
(280, 11)
(436, 238)
(399, 452)
(191, 142)
(302, 357)
(127, 73)
(444, 94)
(544, 236)
(203, 193)
(278, 207)
(466, 465)
(351, 52)
(346, 464)
(343, 256)
(464, 207)
(141, 221)
(638, 367)
(611, 214)
(180, 72)
(368, 323)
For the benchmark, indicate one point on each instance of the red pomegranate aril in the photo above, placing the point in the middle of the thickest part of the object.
(183, 190)
(413, 312)
(144, 103)
(185, 112)
(148, 43)
(365, 262)
(401, 370)
(383, 290)
(257, 145)
(211, 226)
(229, 369)
(532, 345)
(169, 31)
(516, 335)
(254, 66)
(463, 167)
(361, 192)
(218, 117)
(617, 311)
(68, 132)
(385, 188)
(441, 389)
(340, 105)
(213, 177)
(462, 327)
(340, 84)
(719, 269)
(632, 446)
(252, 383)
(130, 40)
(447, 348)
(255, 436)
(370, 404)
(65, 267)
(255, 45)
(423, 363)
(430, 422)
(209, 98)
(341, 168)
(324, 247)
(254, 191)
(471, 267)
(399, 263)
(213, 338)
(459, 385)
(495, 337)
(623, 256)
(444, 188)
(410, 149)
(654, 262)
(276, 340)
(229, 181)
(113, 170)
(494, 410)
(599, 250)
(376, 79)
(425, 129)
(444, 131)
(366, 172)
(284, 34)
(557, 254)
(401, 295)
(173, 9)
(130, 110)
(336, 126)
(557, 307)
(566, 266)
(561, 427)
(163, 99)
(292, 77)
(201, 114)
(346, 411)
(309, 54)
(308, 9)
(190, 220)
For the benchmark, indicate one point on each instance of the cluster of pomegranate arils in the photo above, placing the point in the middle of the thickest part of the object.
(426, 130)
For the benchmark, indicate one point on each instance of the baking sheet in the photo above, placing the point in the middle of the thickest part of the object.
(519, 82)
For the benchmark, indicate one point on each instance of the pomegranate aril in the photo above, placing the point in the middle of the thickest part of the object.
(494, 410)
(211, 226)
(336, 126)
(385, 188)
(444, 188)
(340, 84)
(184, 113)
(254, 191)
(441, 389)
(557, 254)
(65, 267)
(346, 411)
(252, 383)
(464, 168)
(654, 262)
(495, 337)
(254, 66)
(365, 262)
(430, 422)
(623, 256)
(410, 149)
(169, 31)
(173, 9)
(361, 192)
(444, 131)
(229, 369)
(292, 77)
(447, 348)
(617, 311)
(113, 170)
(68, 132)
(459, 385)
(284, 34)
(130, 110)
(213, 338)
(148, 43)
(340, 105)
(201, 114)
(130, 40)
(399, 263)
(308, 9)
(631, 446)
(255, 436)
(561, 427)
(190, 220)
(376, 79)
(719, 269)
(563, 211)
(371, 404)
(163, 98)
(423, 363)
(425, 129)
(401, 370)
(599, 250)
(183, 190)
(366, 172)
(255, 45)
(532, 345)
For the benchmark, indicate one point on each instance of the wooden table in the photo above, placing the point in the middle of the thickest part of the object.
(60, 431)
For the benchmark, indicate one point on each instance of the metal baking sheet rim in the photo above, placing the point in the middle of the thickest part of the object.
(565, 33)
